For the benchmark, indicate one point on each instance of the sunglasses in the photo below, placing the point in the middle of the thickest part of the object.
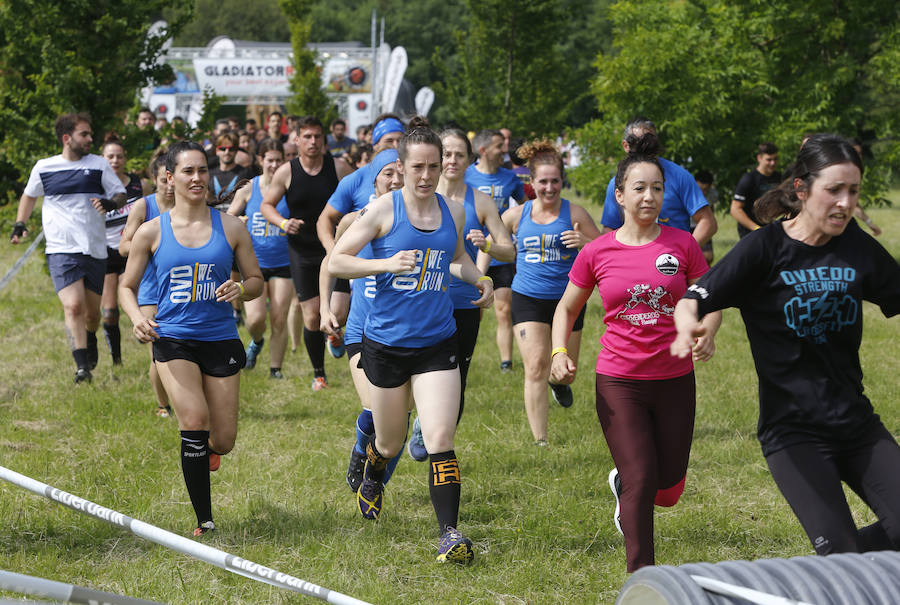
(224, 148)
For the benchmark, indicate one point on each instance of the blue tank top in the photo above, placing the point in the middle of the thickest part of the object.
(188, 278)
(362, 293)
(413, 310)
(542, 260)
(269, 242)
(500, 186)
(461, 293)
(147, 291)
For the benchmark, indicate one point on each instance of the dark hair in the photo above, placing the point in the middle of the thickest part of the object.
(112, 138)
(158, 161)
(767, 149)
(484, 138)
(337, 121)
(222, 122)
(817, 154)
(417, 121)
(146, 109)
(637, 123)
(270, 144)
(356, 152)
(459, 134)
(308, 122)
(640, 150)
(514, 157)
(417, 136)
(541, 151)
(177, 149)
(249, 121)
(66, 123)
(229, 136)
(704, 176)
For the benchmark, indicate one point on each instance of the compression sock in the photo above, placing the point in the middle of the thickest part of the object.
(389, 470)
(376, 462)
(444, 488)
(365, 428)
(670, 495)
(195, 468)
(93, 355)
(113, 341)
(81, 359)
(315, 348)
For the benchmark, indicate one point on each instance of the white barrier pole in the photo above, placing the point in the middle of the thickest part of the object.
(18, 265)
(30, 585)
(213, 556)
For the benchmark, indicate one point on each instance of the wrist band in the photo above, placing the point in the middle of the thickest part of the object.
(282, 224)
(485, 277)
(558, 350)
(240, 286)
(487, 246)
(869, 221)
(757, 227)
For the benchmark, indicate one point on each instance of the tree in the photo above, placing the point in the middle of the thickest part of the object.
(260, 21)
(508, 69)
(718, 77)
(306, 83)
(82, 55)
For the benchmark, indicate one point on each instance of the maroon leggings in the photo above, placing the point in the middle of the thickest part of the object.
(648, 425)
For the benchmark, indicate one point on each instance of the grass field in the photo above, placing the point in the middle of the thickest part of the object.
(541, 518)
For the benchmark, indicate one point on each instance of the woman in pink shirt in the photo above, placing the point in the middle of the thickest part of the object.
(645, 397)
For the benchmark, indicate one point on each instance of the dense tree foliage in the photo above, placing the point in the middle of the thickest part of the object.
(260, 21)
(718, 77)
(306, 83)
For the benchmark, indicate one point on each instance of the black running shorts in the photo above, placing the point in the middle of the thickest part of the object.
(389, 367)
(218, 358)
(527, 308)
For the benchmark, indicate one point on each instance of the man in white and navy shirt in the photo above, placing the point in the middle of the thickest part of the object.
(78, 188)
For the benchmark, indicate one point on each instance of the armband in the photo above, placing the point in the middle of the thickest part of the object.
(240, 286)
(18, 230)
(558, 350)
(485, 277)
(283, 224)
(487, 246)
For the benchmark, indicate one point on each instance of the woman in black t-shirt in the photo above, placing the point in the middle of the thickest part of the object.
(799, 284)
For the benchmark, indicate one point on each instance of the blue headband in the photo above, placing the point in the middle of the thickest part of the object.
(384, 127)
(388, 156)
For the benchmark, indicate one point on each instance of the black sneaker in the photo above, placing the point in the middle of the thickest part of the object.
(276, 374)
(82, 375)
(204, 528)
(615, 485)
(562, 394)
(506, 366)
(355, 470)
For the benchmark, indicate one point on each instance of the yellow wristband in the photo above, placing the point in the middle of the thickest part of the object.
(757, 227)
(240, 286)
(485, 277)
(487, 246)
(282, 224)
(558, 350)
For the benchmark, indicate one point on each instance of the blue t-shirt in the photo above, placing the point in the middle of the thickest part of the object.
(353, 191)
(362, 293)
(269, 242)
(463, 293)
(542, 260)
(188, 278)
(148, 293)
(414, 309)
(500, 186)
(681, 200)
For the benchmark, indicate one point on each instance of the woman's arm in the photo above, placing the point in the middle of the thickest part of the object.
(500, 246)
(251, 284)
(462, 267)
(583, 231)
(328, 321)
(135, 219)
(372, 222)
(562, 368)
(240, 199)
(129, 282)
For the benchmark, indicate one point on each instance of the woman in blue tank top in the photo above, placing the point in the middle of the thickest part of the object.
(146, 209)
(271, 248)
(550, 231)
(195, 343)
(408, 340)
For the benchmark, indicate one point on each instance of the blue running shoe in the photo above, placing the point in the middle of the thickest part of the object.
(455, 547)
(416, 445)
(615, 485)
(253, 352)
(370, 496)
(335, 345)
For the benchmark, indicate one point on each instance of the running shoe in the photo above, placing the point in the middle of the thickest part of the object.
(335, 345)
(370, 496)
(164, 411)
(276, 374)
(541, 443)
(82, 375)
(253, 352)
(455, 547)
(205, 527)
(615, 484)
(117, 360)
(506, 367)
(319, 383)
(355, 470)
(416, 444)
(562, 394)
(214, 461)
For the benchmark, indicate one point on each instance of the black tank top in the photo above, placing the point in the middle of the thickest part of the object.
(306, 198)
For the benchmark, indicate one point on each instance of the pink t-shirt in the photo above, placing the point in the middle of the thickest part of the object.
(639, 286)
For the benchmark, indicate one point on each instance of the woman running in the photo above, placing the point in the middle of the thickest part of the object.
(645, 397)
(271, 247)
(799, 284)
(481, 213)
(195, 342)
(114, 153)
(409, 336)
(550, 231)
(146, 209)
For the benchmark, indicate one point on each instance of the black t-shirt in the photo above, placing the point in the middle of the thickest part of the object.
(225, 180)
(750, 188)
(802, 308)
(306, 198)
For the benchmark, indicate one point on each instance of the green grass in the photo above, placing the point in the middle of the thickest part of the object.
(540, 518)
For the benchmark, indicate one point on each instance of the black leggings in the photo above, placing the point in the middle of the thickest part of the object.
(809, 476)
(467, 323)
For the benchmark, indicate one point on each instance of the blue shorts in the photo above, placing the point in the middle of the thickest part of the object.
(67, 268)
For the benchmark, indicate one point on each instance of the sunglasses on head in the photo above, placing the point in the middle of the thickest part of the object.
(224, 148)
